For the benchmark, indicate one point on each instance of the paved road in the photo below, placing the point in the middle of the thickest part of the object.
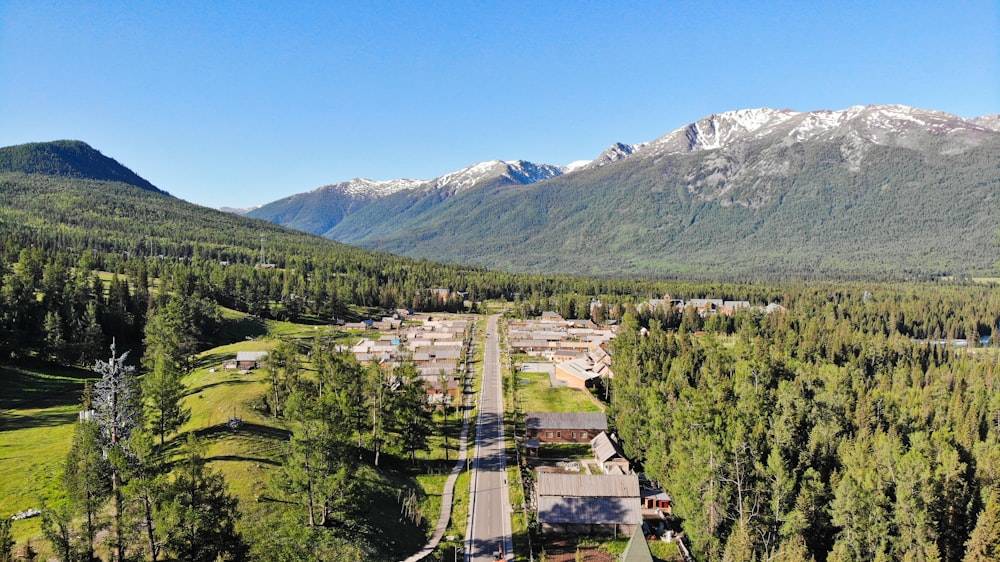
(489, 520)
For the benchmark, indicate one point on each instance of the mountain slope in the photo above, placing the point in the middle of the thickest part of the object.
(872, 189)
(68, 158)
(321, 211)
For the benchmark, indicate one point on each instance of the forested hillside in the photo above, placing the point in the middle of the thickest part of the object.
(56, 232)
(67, 158)
(904, 213)
(847, 428)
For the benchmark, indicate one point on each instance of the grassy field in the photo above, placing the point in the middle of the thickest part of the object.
(38, 412)
(536, 394)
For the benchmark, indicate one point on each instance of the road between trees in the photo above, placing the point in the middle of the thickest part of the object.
(488, 530)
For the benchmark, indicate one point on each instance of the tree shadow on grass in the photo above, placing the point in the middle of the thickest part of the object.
(240, 458)
(240, 329)
(43, 418)
(245, 430)
(195, 390)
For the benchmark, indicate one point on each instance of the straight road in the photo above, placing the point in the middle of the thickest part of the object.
(489, 516)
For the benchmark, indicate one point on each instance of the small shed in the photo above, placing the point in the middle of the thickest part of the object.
(250, 359)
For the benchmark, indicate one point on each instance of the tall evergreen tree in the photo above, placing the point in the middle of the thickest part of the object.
(163, 392)
(86, 478)
(984, 544)
(198, 515)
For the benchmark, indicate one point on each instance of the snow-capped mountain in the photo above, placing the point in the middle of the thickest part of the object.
(519, 171)
(322, 209)
(362, 187)
(900, 185)
(892, 125)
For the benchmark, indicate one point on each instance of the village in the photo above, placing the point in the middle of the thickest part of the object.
(577, 479)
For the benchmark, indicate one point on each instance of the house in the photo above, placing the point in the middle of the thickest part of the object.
(563, 354)
(608, 453)
(588, 504)
(577, 373)
(656, 504)
(730, 308)
(440, 294)
(436, 392)
(246, 360)
(576, 427)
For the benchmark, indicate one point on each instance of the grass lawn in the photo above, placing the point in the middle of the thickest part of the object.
(536, 394)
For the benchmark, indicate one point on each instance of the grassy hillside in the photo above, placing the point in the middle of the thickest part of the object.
(39, 406)
(38, 412)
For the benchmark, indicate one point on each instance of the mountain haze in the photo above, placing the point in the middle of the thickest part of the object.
(869, 189)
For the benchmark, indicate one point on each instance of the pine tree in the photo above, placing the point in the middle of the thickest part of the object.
(6, 541)
(198, 515)
(86, 478)
(984, 543)
(163, 393)
(412, 422)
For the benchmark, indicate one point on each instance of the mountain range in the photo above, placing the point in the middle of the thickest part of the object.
(866, 190)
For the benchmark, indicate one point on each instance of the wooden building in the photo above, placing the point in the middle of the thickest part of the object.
(584, 504)
(575, 427)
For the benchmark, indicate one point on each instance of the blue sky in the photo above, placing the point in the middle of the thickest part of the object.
(242, 103)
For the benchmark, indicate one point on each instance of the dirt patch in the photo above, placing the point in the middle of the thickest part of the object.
(566, 551)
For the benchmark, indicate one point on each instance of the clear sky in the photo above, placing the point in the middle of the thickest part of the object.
(242, 103)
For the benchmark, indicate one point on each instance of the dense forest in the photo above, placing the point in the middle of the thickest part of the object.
(846, 428)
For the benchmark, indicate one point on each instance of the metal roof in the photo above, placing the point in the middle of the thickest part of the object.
(573, 420)
(588, 486)
(250, 355)
(604, 448)
(589, 511)
(637, 549)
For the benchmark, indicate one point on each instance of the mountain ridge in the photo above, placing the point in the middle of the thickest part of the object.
(715, 184)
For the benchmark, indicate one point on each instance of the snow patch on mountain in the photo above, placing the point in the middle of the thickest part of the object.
(366, 188)
(614, 153)
(989, 122)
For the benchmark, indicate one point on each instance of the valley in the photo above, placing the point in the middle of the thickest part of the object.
(313, 392)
